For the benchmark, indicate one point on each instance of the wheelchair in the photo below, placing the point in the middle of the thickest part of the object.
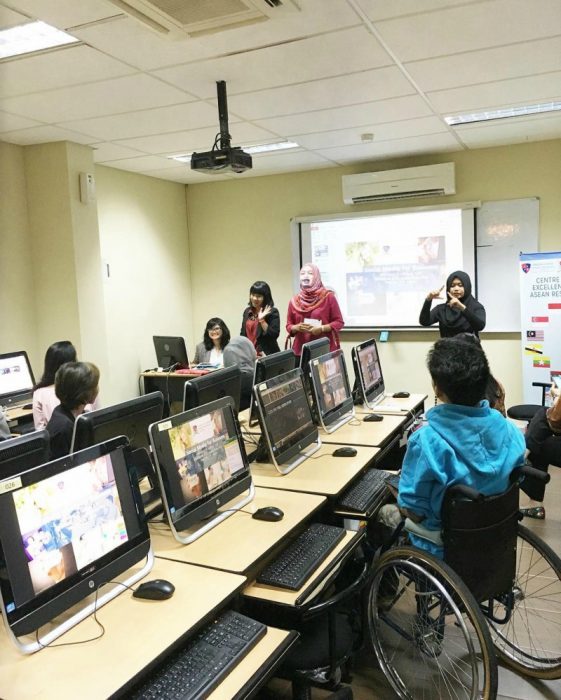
(438, 626)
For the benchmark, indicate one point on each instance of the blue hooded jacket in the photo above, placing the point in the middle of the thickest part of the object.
(471, 445)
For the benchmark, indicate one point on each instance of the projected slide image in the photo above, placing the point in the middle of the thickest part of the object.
(68, 521)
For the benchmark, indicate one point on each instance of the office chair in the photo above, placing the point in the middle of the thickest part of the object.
(527, 411)
(328, 638)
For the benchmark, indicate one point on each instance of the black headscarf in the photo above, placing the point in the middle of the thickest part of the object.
(453, 317)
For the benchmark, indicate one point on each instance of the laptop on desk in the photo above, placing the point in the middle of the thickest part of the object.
(16, 379)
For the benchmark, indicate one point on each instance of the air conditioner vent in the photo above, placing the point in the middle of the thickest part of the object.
(178, 18)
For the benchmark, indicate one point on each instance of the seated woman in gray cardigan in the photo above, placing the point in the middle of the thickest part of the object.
(215, 339)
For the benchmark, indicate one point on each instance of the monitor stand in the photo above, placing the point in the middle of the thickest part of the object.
(334, 426)
(193, 533)
(82, 613)
(265, 454)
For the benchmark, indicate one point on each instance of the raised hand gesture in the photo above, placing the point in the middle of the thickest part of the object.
(435, 294)
(455, 303)
(264, 312)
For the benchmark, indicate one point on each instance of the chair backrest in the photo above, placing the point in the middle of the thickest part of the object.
(479, 534)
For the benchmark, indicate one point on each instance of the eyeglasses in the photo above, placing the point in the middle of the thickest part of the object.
(216, 329)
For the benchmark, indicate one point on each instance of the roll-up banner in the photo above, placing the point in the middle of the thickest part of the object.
(540, 316)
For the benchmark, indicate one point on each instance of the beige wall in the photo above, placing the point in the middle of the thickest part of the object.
(240, 231)
(17, 290)
(144, 241)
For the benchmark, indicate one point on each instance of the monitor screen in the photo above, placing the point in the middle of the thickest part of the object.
(285, 416)
(311, 350)
(266, 368)
(201, 461)
(65, 528)
(16, 377)
(170, 351)
(212, 386)
(368, 371)
(331, 390)
(22, 453)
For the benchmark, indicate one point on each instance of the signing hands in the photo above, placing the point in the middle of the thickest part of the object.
(455, 303)
(435, 294)
(264, 312)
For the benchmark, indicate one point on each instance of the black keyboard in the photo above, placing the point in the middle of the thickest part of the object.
(295, 563)
(369, 492)
(194, 672)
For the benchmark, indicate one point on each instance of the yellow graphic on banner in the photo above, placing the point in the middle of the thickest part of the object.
(533, 349)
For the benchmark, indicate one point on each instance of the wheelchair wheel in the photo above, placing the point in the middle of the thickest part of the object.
(530, 640)
(428, 633)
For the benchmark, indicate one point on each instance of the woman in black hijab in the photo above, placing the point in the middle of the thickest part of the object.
(460, 314)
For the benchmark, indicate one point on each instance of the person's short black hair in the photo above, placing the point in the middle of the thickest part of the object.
(76, 384)
(460, 370)
(57, 354)
(262, 288)
(224, 340)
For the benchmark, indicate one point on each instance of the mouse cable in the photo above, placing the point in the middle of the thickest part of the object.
(228, 510)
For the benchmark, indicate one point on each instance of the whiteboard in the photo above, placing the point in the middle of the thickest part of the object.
(503, 230)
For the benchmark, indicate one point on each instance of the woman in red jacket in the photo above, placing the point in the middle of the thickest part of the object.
(313, 312)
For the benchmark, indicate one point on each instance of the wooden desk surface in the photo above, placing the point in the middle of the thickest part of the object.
(240, 540)
(357, 432)
(136, 632)
(17, 413)
(408, 404)
(322, 473)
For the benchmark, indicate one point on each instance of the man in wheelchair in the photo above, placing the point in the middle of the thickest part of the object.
(464, 442)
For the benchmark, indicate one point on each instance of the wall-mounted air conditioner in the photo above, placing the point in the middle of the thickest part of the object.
(406, 183)
(177, 19)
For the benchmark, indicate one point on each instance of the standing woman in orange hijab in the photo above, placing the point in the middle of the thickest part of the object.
(313, 312)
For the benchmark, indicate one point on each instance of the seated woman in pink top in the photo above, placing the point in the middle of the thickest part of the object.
(44, 398)
(313, 312)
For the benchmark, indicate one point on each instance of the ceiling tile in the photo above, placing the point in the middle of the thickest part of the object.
(9, 18)
(110, 151)
(149, 122)
(143, 163)
(469, 27)
(382, 132)
(299, 61)
(377, 10)
(72, 65)
(129, 40)
(65, 13)
(401, 147)
(498, 94)
(517, 60)
(518, 130)
(96, 99)
(346, 117)
(44, 134)
(322, 94)
(197, 139)
(11, 122)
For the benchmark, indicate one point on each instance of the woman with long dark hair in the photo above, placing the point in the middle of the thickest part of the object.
(44, 398)
(215, 339)
(261, 319)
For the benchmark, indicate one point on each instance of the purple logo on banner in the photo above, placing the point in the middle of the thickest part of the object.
(526, 267)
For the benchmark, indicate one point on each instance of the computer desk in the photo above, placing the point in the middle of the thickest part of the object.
(356, 432)
(171, 384)
(321, 474)
(412, 404)
(137, 634)
(240, 542)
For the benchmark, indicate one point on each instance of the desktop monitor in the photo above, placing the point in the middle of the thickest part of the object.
(66, 528)
(331, 390)
(212, 386)
(16, 378)
(131, 419)
(368, 372)
(266, 368)
(311, 350)
(286, 420)
(21, 453)
(170, 352)
(201, 463)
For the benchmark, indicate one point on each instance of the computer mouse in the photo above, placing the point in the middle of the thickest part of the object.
(158, 589)
(344, 452)
(271, 514)
(401, 395)
(373, 418)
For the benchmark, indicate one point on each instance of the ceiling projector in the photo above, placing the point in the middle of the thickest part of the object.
(223, 157)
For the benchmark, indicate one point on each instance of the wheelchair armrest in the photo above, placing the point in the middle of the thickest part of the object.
(434, 536)
(463, 490)
(526, 470)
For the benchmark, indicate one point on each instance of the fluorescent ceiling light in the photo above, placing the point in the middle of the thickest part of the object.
(30, 37)
(524, 111)
(264, 148)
